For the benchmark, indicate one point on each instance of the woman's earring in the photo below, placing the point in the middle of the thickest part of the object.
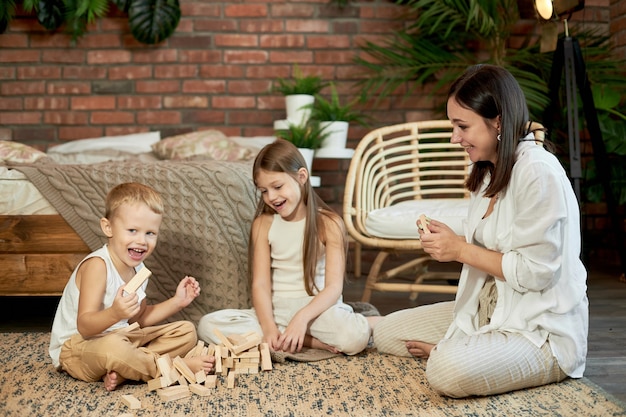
(499, 137)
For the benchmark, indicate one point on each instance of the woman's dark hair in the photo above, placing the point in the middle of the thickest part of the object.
(491, 91)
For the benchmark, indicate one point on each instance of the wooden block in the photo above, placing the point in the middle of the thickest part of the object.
(200, 390)
(423, 224)
(131, 401)
(252, 340)
(266, 358)
(237, 339)
(223, 339)
(200, 376)
(196, 351)
(165, 367)
(211, 381)
(175, 392)
(218, 359)
(182, 367)
(182, 380)
(210, 350)
(136, 281)
(231, 380)
(156, 383)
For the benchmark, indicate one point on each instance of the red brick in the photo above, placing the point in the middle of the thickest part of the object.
(203, 117)
(282, 41)
(221, 71)
(200, 56)
(245, 57)
(130, 72)
(67, 87)
(84, 73)
(20, 118)
(236, 40)
(153, 87)
(262, 26)
(246, 10)
(249, 87)
(311, 26)
(197, 9)
(159, 118)
(176, 71)
(19, 55)
(93, 103)
(124, 130)
(57, 56)
(226, 102)
(70, 133)
(12, 88)
(154, 56)
(66, 118)
(100, 40)
(215, 25)
(10, 103)
(139, 102)
(328, 42)
(13, 40)
(7, 73)
(204, 86)
(116, 56)
(185, 102)
(299, 57)
(112, 118)
(292, 10)
(38, 72)
(46, 103)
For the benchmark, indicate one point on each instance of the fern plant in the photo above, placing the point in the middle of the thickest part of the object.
(332, 110)
(307, 135)
(300, 84)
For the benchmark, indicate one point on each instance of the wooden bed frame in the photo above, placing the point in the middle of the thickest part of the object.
(37, 254)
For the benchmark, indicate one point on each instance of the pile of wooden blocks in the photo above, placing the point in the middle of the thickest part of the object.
(236, 354)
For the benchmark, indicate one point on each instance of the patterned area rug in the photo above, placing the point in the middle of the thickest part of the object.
(369, 384)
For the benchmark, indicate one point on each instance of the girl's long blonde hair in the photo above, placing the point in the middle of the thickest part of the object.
(283, 156)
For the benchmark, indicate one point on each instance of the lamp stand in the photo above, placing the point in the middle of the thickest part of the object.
(568, 55)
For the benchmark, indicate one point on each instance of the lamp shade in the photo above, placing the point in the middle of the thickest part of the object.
(549, 8)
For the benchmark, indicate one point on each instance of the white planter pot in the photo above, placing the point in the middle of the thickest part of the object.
(308, 155)
(338, 134)
(294, 105)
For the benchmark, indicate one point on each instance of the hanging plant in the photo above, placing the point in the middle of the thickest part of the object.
(151, 21)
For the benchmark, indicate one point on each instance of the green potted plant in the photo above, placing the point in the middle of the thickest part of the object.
(299, 92)
(306, 136)
(335, 118)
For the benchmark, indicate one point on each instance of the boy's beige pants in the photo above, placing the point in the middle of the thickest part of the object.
(132, 353)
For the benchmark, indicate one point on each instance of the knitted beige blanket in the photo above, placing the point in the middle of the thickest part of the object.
(209, 206)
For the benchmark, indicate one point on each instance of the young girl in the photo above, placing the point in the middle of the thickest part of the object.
(297, 257)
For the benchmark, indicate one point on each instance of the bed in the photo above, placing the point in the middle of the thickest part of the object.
(50, 208)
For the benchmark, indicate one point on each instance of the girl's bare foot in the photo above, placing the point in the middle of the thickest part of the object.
(112, 380)
(197, 363)
(316, 344)
(419, 349)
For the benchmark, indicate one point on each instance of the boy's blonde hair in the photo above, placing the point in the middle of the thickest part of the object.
(132, 193)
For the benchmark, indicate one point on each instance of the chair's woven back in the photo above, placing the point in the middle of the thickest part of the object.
(403, 162)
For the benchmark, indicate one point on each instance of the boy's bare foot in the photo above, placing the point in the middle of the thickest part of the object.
(419, 349)
(197, 363)
(112, 380)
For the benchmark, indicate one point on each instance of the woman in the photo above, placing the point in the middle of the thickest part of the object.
(520, 317)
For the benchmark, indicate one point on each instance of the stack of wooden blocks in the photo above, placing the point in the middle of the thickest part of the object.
(237, 354)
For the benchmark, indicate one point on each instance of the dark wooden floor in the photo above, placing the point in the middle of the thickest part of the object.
(606, 359)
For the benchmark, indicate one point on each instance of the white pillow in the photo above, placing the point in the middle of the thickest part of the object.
(135, 143)
(398, 221)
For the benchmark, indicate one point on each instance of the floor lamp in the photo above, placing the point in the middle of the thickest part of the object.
(568, 57)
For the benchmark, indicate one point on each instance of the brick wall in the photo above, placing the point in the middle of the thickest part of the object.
(216, 71)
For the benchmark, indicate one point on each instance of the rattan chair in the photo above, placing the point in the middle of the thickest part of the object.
(393, 164)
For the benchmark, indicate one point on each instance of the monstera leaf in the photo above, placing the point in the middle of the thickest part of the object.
(50, 13)
(152, 21)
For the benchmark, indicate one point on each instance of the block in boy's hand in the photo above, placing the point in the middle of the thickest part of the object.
(422, 223)
(136, 281)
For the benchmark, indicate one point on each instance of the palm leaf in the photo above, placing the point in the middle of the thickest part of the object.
(152, 21)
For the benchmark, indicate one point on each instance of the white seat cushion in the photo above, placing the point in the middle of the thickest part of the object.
(398, 221)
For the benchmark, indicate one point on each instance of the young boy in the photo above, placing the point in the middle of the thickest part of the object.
(91, 335)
